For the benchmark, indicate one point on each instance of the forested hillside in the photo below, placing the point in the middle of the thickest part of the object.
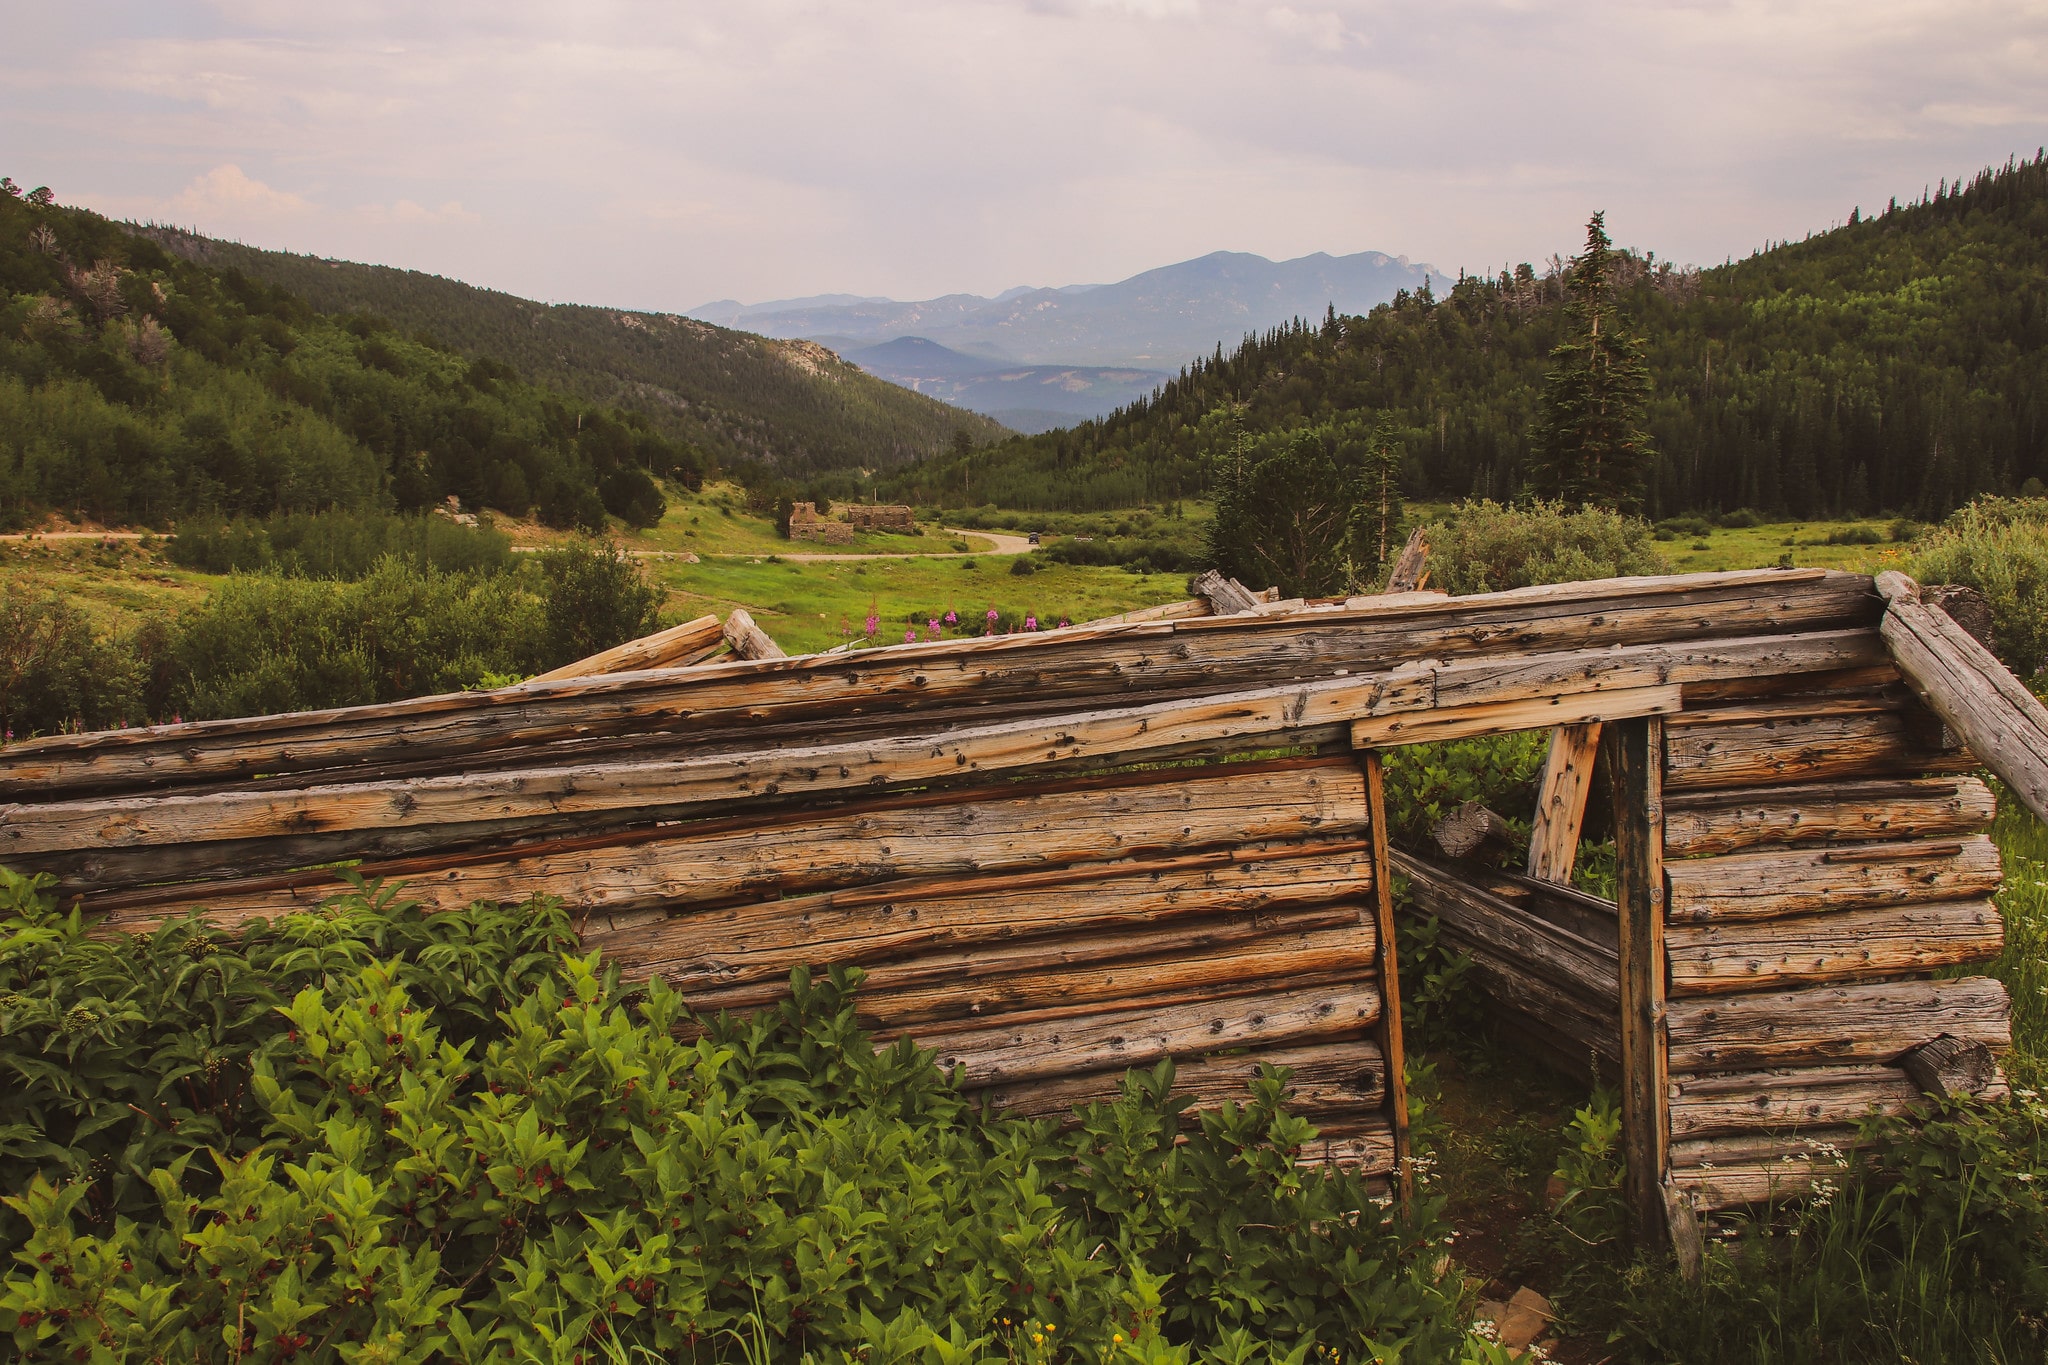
(136, 388)
(1899, 362)
(791, 405)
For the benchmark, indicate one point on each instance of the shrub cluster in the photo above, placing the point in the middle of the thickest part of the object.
(1484, 546)
(367, 1134)
(339, 545)
(1999, 546)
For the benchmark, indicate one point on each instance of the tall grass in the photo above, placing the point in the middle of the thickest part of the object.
(2023, 966)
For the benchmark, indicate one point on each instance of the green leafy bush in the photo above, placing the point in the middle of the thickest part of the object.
(1485, 546)
(1999, 546)
(366, 1134)
(340, 545)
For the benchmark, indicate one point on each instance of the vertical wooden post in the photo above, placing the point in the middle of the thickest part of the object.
(1391, 1046)
(1561, 801)
(1635, 765)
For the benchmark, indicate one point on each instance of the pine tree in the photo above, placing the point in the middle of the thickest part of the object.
(1590, 445)
(1377, 517)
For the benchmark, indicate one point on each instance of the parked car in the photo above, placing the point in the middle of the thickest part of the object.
(1032, 539)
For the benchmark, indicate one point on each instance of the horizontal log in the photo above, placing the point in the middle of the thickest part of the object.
(1004, 1056)
(1765, 884)
(1365, 1153)
(1059, 977)
(1126, 659)
(1330, 1078)
(762, 940)
(1246, 719)
(1723, 748)
(675, 647)
(1500, 718)
(1771, 1101)
(1832, 1025)
(1538, 947)
(2004, 724)
(1842, 946)
(1708, 1188)
(1874, 677)
(1711, 822)
(1590, 917)
(1009, 829)
(1825, 1147)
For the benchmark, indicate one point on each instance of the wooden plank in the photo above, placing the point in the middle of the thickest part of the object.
(1225, 596)
(1244, 719)
(1577, 912)
(1539, 948)
(1822, 1144)
(1330, 1078)
(1162, 812)
(1710, 1188)
(1845, 946)
(748, 640)
(1712, 822)
(1411, 568)
(1141, 1037)
(1171, 611)
(1561, 793)
(1499, 718)
(1369, 1152)
(1714, 1105)
(1710, 749)
(1834, 1025)
(1580, 1029)
(1392, 1045)
(1129, 660)
(675, 647)
(2003, 723)
(1633, 752)
(1060, 976)
(1767, 883)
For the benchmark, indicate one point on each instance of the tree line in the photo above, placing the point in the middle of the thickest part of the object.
(1896, 363)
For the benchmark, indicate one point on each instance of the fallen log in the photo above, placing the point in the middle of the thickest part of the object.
(1472, 829)
(1225, 596)
(1712, 822)
(984, 1058)
(1124, 659)
(1711, 958)
(1820, 1025)
(747, 640)
(1961, 681)
(1767, 883)
(1532, 946)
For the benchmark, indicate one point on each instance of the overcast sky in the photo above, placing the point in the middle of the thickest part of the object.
(663, 154)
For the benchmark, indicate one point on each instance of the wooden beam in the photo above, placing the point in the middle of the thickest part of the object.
(2004, 724)
(1761, 884)
(1893, 940)
(1719, 1104)
(676, 647)
(1128, 661)
(1328, 1079)
(1392, 1046)
(1634, 754)
(1835, 1025)
(1538, 947)
(1711, 822)
(1499, 718)
(1561, 801)
(1845, 741)
(748, 640)
(1411, 569)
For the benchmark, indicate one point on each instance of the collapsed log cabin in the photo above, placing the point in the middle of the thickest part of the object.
(1058, 856)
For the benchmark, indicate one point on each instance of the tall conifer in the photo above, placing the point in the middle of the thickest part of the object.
(1590, 446)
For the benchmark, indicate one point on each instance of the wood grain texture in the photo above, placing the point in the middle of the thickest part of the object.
(1535, 946)
(1051, 825)
(1633, 755)
(1798, 1098)
(1561, 792)
(1712, 822)
(1791, 1176)
(1766, 884)
(1001, 1056)
(747, 640)
(1332, 1078)
(1788, 743)
(1964, 683)
(1125, 659)
(1826, 1146)
(1500, 718)
(1848, 945)
(1393, 1041)
(1834, 1025)
(678, 646)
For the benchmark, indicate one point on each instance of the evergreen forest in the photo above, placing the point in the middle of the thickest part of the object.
(1896, 363)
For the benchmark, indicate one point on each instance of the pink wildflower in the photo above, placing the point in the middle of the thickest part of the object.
(1031, 623)
(991, 615)
(952, 617)
(910, 636)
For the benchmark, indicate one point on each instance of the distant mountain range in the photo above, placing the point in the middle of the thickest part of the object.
(1156, 321)
(1029, 398)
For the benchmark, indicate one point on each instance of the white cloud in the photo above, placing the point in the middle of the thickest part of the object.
(661, 155)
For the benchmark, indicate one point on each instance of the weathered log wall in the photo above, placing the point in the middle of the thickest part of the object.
(1036, 849)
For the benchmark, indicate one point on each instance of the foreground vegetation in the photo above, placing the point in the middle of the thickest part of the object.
(365, 1134)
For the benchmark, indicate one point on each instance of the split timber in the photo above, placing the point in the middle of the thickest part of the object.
(1063, 855)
